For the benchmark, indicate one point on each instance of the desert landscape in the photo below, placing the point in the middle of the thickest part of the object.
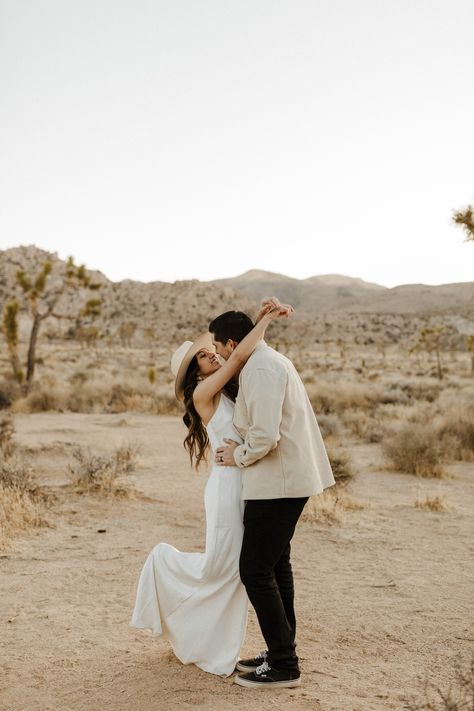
(93, 474)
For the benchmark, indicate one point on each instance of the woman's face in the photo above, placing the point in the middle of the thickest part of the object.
(208, 362)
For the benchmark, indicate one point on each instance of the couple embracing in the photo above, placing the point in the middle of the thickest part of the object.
(246, 403)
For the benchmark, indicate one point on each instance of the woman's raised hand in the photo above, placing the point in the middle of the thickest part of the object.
(271, 305)
(279, 311)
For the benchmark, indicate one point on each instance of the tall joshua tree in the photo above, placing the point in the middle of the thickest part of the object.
(465, 219)
(42, 296)
(429, 340)
(10, 329)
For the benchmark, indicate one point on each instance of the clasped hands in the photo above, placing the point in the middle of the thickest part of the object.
(271, 304)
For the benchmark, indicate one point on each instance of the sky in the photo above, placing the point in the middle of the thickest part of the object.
(182, 139)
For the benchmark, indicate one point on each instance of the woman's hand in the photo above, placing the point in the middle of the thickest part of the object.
(271, 303)
(281, 311)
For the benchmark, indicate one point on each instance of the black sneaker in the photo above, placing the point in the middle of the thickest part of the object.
(267, 677)
(249, 665)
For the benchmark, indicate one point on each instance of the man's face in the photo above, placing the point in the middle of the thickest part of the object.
(224, 349)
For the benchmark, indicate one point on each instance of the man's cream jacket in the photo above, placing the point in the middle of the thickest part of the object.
(283, 453)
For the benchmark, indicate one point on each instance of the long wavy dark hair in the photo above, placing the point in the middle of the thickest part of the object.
(197, 442)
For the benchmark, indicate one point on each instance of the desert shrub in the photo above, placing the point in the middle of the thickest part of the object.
(340, 465)
(433, 503)
(118, 396)
(5, 400)
(456, 434)
(79, 377)
(337, 397)
(138, 396)
(412, 412)
(16, 472)
(18, 511)
(7, 429)
(10, 390)
(106, 476)
(421, 389)
(329, 425)
(458, 697)
(330, 506)
(126, 456)
(22, 501)
(415, 449)
(44, 395)
(363, 425)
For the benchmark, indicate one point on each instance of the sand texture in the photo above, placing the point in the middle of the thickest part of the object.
(384, 597)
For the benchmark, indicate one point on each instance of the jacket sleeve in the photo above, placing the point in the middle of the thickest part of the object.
(264, 392)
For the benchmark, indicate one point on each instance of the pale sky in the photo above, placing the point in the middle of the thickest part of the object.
(179, 139)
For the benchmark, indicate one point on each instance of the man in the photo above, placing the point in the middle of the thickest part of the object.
(283, 462)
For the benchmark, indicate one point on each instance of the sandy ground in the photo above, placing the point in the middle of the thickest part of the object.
(383, 599)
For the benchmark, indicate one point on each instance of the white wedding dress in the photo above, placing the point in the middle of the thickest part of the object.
(197, 600)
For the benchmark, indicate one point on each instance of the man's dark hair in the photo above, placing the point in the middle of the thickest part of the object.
(233, 324)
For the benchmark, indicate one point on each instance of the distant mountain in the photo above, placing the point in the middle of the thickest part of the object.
(179, 310)
(335, 293)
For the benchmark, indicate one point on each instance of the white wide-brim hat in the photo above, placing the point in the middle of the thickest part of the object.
(183, 356)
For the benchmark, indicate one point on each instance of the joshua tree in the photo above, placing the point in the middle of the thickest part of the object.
(465, 218)
(429, 341)
(126, 332)
(10, 329)
(42, 297)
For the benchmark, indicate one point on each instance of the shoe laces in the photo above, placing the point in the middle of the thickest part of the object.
(262, 655)
(265, 667)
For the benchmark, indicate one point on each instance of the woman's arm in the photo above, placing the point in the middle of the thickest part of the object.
(209, 387)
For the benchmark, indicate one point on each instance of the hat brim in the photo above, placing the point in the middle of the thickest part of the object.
(202, 341)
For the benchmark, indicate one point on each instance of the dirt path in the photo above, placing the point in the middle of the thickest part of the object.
(382, 599)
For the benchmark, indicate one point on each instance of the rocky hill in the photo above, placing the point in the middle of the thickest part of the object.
(160, 308)
(328, 307)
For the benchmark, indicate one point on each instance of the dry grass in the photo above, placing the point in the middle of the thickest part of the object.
(415, 449)
(98, 395)
(22, 501)
(458, 697)
(456, 433)
(329, 425)
(340, 465)
(329, 397)
(105, 476)
(363, 425)
(330, 506)
(434, 503)
(19, 511)
(7, 429)
(16, 472)
(417, 390)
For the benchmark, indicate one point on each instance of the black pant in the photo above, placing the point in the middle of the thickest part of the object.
(265, 570)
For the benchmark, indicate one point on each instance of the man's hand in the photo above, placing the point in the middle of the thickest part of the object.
(225, 455)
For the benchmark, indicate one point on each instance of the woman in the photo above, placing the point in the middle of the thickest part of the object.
(196, 600)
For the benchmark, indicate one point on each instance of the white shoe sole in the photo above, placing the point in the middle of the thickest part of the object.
(243, 668)
(290, 684)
